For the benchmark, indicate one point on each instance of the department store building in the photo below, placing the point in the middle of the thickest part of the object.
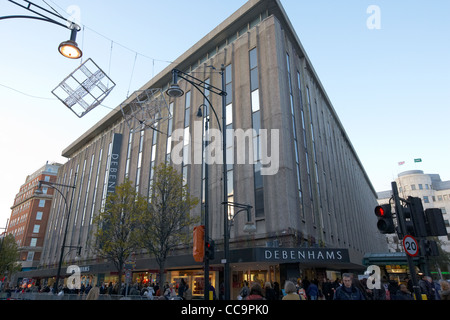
(312, 205)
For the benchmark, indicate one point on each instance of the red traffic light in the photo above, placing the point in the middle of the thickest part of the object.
(383, 211)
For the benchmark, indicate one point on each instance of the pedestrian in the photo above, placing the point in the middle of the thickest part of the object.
(402, 293)
(255, 292)
(427, 287)
(276, 290)
(313, 291)
(270, 293)
(445, 290)
(245, 291)
(212, 291)
(290, 291)
(182, 288)
(187, 293)
(170, 293)
(348, 291)
(393, 287)
(327, 289)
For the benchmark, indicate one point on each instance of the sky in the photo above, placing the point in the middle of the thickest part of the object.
(384, 65)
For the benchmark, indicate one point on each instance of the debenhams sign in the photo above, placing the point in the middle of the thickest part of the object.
(303, 255)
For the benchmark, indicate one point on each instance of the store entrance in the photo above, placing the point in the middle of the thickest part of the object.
(251, 273)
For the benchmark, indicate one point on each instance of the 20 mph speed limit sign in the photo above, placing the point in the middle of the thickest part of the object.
(410, 245)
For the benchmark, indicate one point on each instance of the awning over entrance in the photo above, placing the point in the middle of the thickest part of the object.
(390, 258)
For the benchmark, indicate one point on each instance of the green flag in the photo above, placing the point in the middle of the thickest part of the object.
(418, 160)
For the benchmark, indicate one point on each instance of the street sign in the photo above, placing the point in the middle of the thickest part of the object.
(410, 245)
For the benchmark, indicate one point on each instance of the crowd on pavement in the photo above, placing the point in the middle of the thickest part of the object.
(347, 288)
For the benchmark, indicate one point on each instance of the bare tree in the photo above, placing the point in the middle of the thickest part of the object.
(166, 223)
(116, 234)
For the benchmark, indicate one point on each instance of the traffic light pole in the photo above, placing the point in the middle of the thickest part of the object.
(401, 232)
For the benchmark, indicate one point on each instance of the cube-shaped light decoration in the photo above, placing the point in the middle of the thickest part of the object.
(146, 110)
(84, 89)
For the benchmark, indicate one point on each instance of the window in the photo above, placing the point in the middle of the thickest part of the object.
(420, 186)
(39, 215)
(30, 256)
(413, 187)
(186, 144)
(256, 122)
(41, 203)
(130, 144)
(36, 228)
(425, 199)
(169, 133)
(33, 242)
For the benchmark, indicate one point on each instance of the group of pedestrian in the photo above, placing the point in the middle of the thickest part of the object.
(348, 288)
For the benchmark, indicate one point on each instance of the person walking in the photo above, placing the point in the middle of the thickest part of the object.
(444, 293)
(276, 290)
(403, 293)
(182, 288)
(327, 289)
(245, 291)
(291, 291)
(313, 291)
(170, 292)
(255, 292)
(270, 293)
(348, 291)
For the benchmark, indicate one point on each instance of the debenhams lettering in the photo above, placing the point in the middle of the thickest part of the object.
(305, 254)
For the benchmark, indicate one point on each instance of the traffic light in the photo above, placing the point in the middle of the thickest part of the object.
(431, 248)
(385, 222)
(409, 224)
(414, 205)
(436, 225)
(210, 249)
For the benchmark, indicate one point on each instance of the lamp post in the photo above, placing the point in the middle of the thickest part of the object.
(69, 48)
(68, 208)
(175, 91)
(206, 205)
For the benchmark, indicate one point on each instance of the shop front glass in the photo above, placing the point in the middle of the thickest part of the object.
(195, 280)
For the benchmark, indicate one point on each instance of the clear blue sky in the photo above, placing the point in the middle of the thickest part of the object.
(389, 86)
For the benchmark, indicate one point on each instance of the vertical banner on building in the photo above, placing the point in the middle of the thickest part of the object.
(114, 162)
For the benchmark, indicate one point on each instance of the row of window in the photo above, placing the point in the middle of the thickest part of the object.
(27, 190)
(444, 197)
(413, 187)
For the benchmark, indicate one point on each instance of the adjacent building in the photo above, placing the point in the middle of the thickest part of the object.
(312, 202)
(29, 215)
(433, 192)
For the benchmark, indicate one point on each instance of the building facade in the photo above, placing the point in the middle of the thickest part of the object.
(29, 215)
(311, 198)
(433, 192)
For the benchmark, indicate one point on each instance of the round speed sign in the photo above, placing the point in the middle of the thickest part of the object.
(410, 245)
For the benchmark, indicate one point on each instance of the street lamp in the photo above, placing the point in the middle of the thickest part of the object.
(69, 48)
(175, 91)
(68, 207)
